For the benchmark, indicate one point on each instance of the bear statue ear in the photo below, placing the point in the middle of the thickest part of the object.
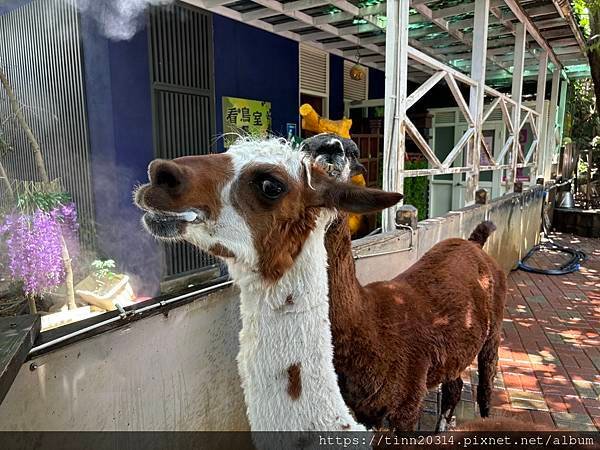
(329, 193)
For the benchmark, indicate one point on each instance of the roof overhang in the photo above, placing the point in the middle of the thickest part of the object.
(439, 28)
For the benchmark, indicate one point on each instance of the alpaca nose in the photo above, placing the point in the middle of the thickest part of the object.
(167, 175)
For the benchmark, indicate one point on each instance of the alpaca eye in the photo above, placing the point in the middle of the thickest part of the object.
(271, 189)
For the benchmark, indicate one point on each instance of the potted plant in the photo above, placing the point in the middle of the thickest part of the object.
(104, 288)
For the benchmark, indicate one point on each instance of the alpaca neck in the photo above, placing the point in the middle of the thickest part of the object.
(286, 353)
(345, 291)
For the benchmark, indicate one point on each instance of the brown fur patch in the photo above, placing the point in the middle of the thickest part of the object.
(279, 228)
(221, 251)
(294, 388)
(199, 182)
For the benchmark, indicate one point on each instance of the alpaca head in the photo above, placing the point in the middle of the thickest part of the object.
(254, 206)
(337, 155)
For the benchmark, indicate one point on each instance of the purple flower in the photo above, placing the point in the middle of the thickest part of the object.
(35, 246)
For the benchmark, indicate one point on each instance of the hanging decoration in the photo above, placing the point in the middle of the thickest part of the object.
(357, 71)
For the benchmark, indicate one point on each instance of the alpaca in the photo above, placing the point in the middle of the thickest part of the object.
(264, 209)
(395, 340)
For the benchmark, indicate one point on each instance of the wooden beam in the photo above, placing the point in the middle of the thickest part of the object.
(396, 70)
(424, 88)
(476, 96)
(461, 8)
(517, 96)
(443, 24)
(530, 27)
(551, 125)
(539, 107)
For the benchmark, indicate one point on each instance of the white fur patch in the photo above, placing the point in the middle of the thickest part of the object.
(277, 334)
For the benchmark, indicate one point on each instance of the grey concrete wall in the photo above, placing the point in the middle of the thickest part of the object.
(175, 372)
(178, 372)
(517, 218)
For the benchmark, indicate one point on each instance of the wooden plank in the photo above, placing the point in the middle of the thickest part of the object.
(476, 96)
(422, 144)
(530, 27)
(517, 95)
(460, 100)
(487, 150)
(424, 88)
(506, 116)
(17, 335)
(491, 109)
(458, 147)
(507, 146)
(532, 148)
(550, 138)
(396, 70)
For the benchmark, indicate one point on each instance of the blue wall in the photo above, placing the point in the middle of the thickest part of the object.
(257, 65)
(336, 87)
(249, 63)
(119, 105)
(376, 83)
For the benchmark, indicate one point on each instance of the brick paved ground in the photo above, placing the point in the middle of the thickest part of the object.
(549, 367)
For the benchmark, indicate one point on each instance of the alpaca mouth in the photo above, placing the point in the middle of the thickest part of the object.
(171, 225)
(331, 168)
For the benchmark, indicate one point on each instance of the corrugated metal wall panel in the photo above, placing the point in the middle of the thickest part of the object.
(41, 55)
(183, 91)
(314, 70)
(355, 89)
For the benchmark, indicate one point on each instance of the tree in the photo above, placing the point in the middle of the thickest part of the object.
(17, 110)
(584, 106)
(588, 15)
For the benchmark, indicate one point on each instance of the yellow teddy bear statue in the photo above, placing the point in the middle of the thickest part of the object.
(311, 121)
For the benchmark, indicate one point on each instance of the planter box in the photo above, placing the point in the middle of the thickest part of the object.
(115, 291)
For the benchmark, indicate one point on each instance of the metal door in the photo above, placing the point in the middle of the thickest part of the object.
(181, 57)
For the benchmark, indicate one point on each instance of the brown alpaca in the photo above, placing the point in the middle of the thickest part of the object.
(394, 340)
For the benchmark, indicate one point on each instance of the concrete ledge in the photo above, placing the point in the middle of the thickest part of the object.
(517, 217)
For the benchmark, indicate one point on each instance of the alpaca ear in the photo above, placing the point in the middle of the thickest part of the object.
(348, 197)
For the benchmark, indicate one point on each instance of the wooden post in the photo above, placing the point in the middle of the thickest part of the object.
(517, 94)
(408, 216)
(551, 125)
(396, 70)
(6, 183)
(539, 107)
(478, 68)
(588, 191)
(518, 186)
(481, 197)
(17, 111)
(41, 167)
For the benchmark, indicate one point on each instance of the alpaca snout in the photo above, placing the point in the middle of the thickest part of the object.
(168, 176)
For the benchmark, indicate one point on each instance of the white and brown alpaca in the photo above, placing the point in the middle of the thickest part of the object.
(396, 339)
(264, 209)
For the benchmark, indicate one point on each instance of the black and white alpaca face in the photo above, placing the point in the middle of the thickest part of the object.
(337, 155)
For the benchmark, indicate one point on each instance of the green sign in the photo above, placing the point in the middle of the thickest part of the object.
(245, 117)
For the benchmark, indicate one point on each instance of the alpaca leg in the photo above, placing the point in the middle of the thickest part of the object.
(406, 415)
(451, 391)
(486, 365)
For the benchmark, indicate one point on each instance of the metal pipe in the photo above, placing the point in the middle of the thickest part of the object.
(128, 314)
